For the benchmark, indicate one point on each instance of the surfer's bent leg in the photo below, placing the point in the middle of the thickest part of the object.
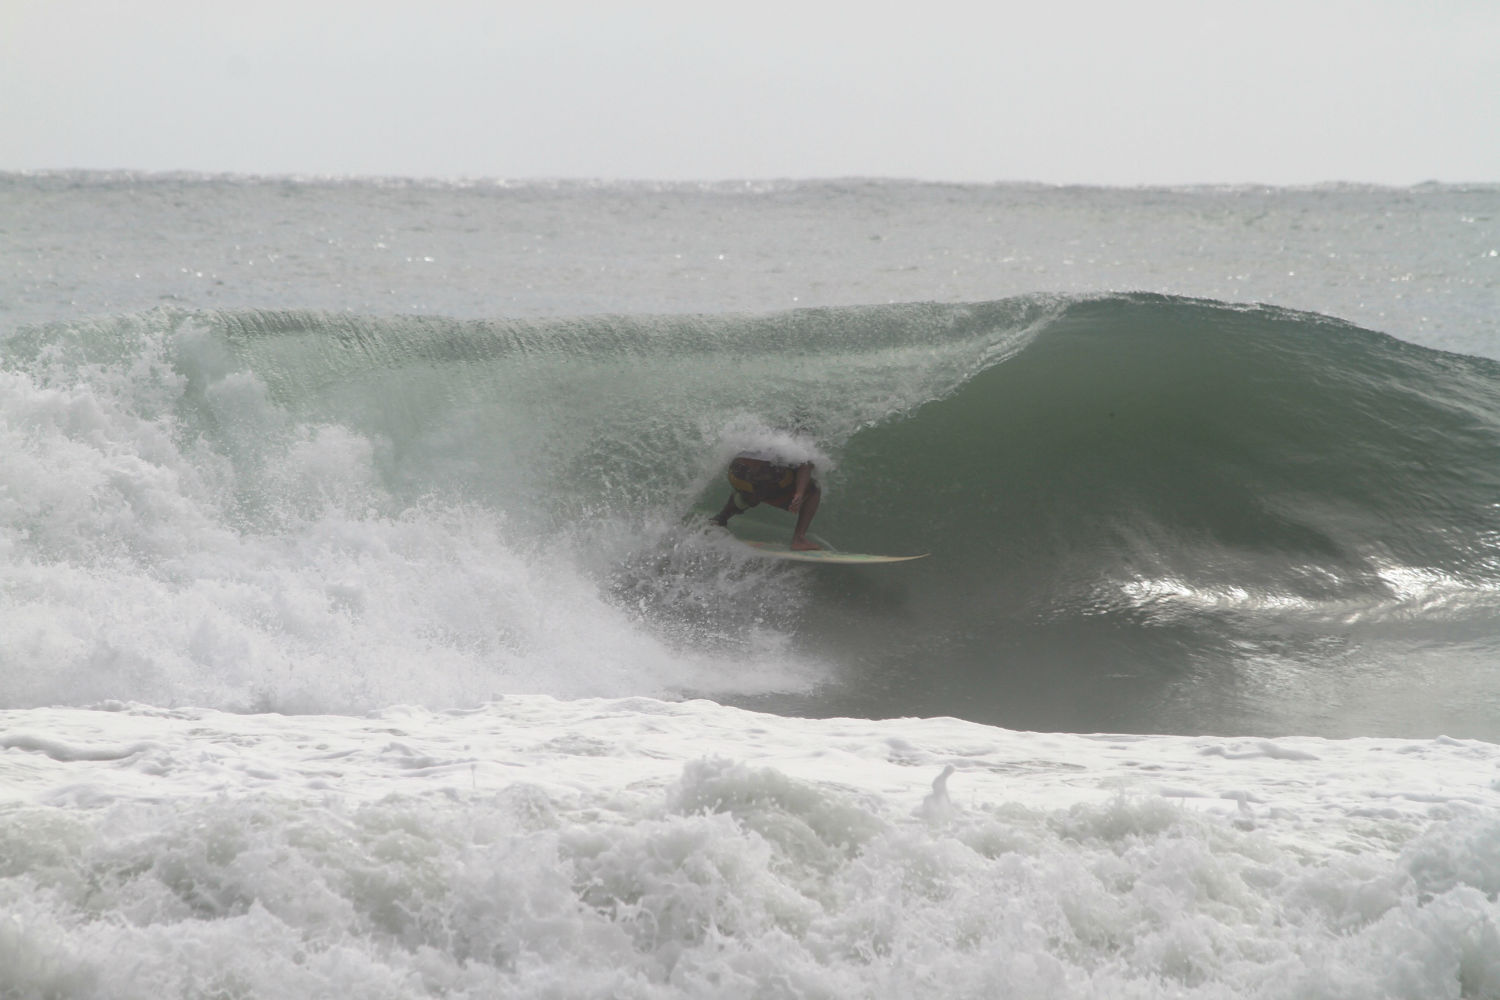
(737, 503)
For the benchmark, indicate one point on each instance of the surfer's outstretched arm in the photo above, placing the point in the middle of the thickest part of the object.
(804, 504)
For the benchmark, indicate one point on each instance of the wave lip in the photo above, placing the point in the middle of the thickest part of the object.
(1282, 454)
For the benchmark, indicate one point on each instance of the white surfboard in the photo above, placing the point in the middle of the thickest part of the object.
(780, 550)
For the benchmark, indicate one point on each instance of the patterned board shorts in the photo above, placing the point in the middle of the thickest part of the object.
(757, 481)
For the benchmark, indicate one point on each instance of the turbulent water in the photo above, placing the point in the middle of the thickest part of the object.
(1206, 461)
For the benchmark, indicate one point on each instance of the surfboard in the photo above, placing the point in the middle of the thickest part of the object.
(780, 550)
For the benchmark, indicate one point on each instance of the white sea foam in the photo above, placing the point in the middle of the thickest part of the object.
(537, 847)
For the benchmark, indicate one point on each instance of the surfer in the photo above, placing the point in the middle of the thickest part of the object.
(758, 478)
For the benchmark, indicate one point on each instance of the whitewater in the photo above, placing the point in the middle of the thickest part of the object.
(362, 632)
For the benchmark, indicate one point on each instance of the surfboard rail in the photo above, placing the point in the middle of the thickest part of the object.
(780, 550)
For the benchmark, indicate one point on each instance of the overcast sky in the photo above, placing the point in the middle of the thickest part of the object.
(1063, 91)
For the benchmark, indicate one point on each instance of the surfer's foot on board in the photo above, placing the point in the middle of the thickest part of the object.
(803, 545)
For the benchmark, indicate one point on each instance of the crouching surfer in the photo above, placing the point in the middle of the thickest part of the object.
(758, 478)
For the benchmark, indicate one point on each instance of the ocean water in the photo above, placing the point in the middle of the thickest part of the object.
(362, 632)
